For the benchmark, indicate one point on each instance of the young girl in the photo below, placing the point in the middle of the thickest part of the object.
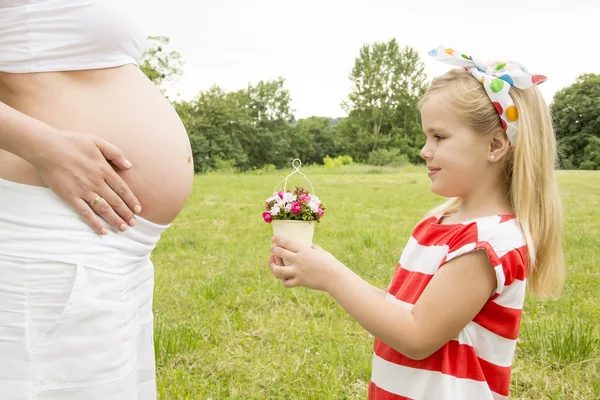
(447, 326)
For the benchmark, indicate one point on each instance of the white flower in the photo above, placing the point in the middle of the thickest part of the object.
(273, 198)
(275, 210)
(288, 207)
(314, 203)
(288, 197)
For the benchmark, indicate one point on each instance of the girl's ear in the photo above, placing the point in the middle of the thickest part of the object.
(499, 145)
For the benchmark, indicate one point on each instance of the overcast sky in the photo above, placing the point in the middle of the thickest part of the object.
(313, 44)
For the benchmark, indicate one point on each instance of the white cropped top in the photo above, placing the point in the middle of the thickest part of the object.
(66, 35)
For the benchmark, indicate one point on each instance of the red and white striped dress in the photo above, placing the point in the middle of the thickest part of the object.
(477, 363)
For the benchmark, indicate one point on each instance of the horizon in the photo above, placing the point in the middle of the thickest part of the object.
(234, 43)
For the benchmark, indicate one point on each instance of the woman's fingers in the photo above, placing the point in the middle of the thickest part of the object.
(112, 153)
(83, 209)
(77, 167)
(104, 209)
(121, 198)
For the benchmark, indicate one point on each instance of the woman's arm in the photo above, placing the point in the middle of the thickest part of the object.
(75, 166)
(19, 133)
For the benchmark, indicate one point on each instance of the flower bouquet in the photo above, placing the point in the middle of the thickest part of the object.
(294, 214)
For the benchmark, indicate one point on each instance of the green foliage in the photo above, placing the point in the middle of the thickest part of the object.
(246, 127)
(224, 165)
(267, 168)
(160, 65)
(313, 139)
(216, 123)
(387, 157)
(331, 163)
(591, 154)
(382, 106)
(576, 113)
(560, 344)
(345, 160)
(255, 126)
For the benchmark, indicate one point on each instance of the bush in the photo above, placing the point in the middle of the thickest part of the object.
(345, 160)
(267, 168)
(387, 157)
(591, 155)
(200, 153)
(224, 165)
(331, 163)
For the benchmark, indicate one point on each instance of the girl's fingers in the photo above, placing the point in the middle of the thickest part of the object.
(287, 243)
(290, 283)
(283, 253)
(282, 273)
(276, 260)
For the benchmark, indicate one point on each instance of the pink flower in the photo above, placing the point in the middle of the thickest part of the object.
(296, 207)
(267, 217)
(321, 212)
(280, 194)
(305, 198)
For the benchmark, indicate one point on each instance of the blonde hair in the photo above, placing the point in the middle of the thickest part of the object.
(528, 169)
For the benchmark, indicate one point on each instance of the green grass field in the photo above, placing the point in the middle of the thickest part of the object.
(226, 329)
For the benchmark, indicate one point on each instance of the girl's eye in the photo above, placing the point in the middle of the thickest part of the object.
(438, 137)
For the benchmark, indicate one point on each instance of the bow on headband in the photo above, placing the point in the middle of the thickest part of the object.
(496, 81)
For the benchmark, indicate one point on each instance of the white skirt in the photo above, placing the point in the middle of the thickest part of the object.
(76, 316)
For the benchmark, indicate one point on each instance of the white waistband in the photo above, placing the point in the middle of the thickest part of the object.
(35, 223)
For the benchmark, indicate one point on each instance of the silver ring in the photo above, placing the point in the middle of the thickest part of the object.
(96, 200)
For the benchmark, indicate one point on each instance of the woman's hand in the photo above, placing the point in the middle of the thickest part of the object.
(311, 267)
(76, 167)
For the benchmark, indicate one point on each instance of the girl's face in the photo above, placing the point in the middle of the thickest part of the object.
(457, 157)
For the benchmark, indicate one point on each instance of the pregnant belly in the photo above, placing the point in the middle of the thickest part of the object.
(122, 106)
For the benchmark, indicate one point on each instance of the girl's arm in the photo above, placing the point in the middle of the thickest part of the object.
(453, 297)
(455, 294)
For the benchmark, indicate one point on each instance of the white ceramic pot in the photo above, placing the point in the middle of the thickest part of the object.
(301, 231)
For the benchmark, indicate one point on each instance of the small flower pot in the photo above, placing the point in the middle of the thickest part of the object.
(301, 231)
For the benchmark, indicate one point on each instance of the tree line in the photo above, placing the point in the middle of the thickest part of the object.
(254, 127)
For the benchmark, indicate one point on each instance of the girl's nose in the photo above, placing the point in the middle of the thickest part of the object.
(425, 153)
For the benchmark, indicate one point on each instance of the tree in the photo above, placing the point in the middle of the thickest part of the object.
(245, 129)
(313, 140)
(215, 120)
(382, 106)
(160, 66)
(268, 104)
(576, 113)
(591, 154)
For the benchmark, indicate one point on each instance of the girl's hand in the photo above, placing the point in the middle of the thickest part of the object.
(76, 167)
(313, 267)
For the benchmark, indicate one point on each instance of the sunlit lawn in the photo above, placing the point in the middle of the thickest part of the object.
(226, 329)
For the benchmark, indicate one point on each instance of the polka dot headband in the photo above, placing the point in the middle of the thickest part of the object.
(496, 81)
